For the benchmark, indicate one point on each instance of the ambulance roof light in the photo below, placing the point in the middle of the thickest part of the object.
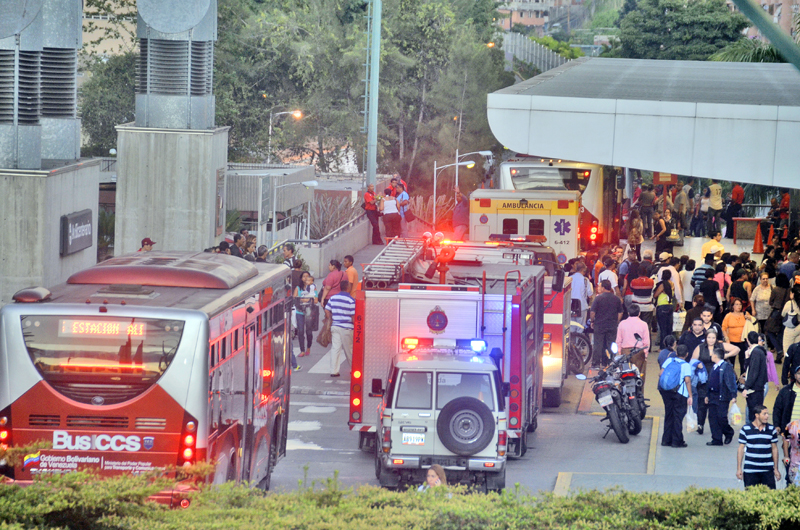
(410, 343)
(478, 345)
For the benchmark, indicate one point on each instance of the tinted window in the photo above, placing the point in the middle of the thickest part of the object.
(450, 386)
(536, 227)
(510, 226)
(549, 178)
(414, 390)
(100, 358)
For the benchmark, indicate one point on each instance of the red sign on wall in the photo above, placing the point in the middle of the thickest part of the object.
(661, 179)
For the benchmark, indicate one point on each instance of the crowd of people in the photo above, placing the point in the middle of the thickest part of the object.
(726, 319)
(683, 211)
(392, 207)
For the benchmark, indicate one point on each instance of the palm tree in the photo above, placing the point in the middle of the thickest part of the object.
(747, 50)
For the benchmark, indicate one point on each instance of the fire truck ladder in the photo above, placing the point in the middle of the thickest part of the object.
(389, 266)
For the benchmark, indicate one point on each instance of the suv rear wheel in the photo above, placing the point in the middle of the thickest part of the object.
(465, 426)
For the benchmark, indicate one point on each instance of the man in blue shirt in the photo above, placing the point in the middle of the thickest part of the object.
(676, 403)
(340, 309)
(402, 207)
(460, 216)
(790, 265)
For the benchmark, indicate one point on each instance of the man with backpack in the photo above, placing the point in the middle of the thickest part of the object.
(721, 394)
(675, 386)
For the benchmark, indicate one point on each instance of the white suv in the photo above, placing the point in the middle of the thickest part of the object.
(442, 406)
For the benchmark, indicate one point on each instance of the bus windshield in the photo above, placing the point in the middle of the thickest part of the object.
(549, 178)
(100, 360)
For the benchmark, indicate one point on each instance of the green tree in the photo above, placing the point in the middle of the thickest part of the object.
(754, 50)
(678, 30)
(107, 99)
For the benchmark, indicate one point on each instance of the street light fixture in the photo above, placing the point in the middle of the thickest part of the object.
(436, 169)
(486, 154)
(307, 184)
(296, 114)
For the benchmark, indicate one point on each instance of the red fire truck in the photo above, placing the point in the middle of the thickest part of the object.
(148, 361)
(500, 303)
(529, 250)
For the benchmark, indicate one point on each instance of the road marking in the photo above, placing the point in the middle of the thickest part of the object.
(304, 426)
(562, 484)
(323, 366)
(564, 479)
(312, 404)
(295, 445)
(317, 410)
(651, 455)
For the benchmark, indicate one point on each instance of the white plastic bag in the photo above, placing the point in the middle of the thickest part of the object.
(691, 420)
(735, 416)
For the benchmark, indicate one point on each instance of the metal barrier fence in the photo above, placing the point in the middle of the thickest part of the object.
(524, 49)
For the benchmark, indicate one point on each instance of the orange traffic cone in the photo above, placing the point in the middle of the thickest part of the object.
(758, 245)
(771, 234)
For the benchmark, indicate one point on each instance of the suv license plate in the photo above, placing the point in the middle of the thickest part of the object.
(412, 438)
(605, 399)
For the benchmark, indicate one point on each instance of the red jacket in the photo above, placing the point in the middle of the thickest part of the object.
(737, 194)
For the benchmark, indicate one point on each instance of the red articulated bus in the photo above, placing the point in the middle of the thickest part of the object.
(148, 361)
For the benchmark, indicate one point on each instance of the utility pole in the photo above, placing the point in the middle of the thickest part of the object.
(372, 102)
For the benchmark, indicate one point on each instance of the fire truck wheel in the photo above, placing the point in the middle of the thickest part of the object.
(465, 426)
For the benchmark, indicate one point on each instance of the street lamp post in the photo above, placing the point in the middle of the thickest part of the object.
(436, 170)
(297, 115)
(274, 233)
(485, 154)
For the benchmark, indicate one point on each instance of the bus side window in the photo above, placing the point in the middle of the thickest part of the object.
(224, 349)
(510, 226)
(536, 227)
(212, 356)
(279, 347)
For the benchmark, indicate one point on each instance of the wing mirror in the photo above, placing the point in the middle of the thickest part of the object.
(558, 281)
(377, 388)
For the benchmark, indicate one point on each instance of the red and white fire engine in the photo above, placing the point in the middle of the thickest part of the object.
(501, 303)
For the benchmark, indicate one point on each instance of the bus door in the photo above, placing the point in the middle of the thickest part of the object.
(251, 372)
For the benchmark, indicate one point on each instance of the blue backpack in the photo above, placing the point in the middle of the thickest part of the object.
(670, 379)
(699, 373)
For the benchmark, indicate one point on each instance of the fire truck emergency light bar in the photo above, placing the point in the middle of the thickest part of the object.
(476, 345)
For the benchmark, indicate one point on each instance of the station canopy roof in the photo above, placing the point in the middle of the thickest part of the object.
(726, 121)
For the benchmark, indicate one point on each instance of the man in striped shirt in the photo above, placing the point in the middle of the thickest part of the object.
(758, 447)
(340, 309)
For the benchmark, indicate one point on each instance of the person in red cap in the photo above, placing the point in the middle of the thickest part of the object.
(147, 245)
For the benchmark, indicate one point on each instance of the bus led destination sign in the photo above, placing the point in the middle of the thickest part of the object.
(98, 328)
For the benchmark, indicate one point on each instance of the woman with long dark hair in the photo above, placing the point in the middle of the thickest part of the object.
(635, 233)
(664, 296)
(774, 324)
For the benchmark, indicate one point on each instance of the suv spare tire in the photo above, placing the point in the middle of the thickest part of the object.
(465, 426)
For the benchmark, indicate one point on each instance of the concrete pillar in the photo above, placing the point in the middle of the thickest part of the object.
(168, 187)
(32, 203)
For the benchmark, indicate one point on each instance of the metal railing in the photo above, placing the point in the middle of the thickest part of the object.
(312, 243)
(531, 52)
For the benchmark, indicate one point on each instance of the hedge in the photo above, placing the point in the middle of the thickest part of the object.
(81, 501)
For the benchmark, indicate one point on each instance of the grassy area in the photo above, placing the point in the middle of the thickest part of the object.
(79, 501)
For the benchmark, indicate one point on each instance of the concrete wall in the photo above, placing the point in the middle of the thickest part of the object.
(167, 185)
(31, 206)
(317, 255)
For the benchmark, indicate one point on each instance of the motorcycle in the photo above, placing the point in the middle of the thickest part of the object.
(580, 348)
(615, 389)
(631, 387)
